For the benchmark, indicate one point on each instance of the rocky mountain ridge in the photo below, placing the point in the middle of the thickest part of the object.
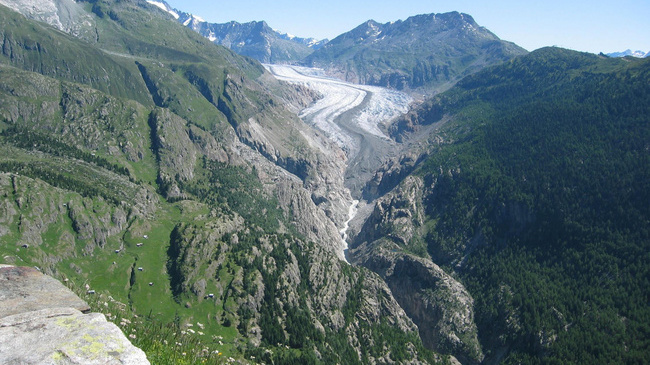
(175, 176)
(253, 39)
(427, 52)
(183, 173)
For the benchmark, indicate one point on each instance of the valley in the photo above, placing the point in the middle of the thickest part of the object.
(414, 192)
(354, 116)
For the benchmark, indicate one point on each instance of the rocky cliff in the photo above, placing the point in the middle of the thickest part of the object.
(390, 243)
(43, 322)
(193, 188)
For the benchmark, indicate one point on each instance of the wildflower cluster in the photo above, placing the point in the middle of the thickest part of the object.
(188, 346)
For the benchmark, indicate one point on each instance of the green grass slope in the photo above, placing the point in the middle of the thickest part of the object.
(37, 47)
(118, 174)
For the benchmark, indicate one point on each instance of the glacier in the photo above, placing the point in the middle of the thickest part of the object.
(372, 106)
(352, 116)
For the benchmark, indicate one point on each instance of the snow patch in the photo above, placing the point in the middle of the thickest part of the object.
(164, 8)
(629, 52)
(158, 4)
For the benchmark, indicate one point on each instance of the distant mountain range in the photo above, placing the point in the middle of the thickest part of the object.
(429, 51)
(629, 52)
(253, 39)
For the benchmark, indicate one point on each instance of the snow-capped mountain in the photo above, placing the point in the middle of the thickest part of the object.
(629, 52)
(253, 39)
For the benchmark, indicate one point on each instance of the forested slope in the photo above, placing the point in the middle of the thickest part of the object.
(536, 196)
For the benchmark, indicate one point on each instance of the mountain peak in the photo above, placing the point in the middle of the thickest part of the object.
(369, 28)
(434, 48)
(629, 52)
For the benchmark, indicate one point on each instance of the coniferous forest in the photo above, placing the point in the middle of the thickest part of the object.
(546, 174)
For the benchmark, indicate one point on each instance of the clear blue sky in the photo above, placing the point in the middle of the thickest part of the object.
(591, 26)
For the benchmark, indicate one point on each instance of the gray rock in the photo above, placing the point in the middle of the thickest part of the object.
(65, 15)
(25, 289)
(41, 322)
(438, 304)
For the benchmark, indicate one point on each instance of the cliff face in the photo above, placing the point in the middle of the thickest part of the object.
(390, 243)
(42, 321)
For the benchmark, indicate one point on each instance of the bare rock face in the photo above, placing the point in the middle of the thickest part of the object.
(43, 322)
(24, 289)
(438, 304)
(64, 15)
(176, 153)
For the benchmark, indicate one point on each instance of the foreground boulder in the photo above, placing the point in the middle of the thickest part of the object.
(43, 322)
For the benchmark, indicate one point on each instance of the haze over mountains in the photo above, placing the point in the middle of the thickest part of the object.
(472, 203)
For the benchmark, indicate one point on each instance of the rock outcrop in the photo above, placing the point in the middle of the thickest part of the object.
(43, 322)
(390, 245)
(438, 304)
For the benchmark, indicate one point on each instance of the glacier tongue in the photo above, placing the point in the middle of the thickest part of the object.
(352, 116)
(371, 106)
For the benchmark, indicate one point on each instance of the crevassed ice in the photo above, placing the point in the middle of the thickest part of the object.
(339, 97)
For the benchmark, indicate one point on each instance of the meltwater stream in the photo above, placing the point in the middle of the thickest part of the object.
(352, 212)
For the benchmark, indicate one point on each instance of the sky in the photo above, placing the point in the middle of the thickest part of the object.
(590, 26)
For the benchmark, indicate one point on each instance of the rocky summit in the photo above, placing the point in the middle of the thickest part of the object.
(254, 39)
(44, 322)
